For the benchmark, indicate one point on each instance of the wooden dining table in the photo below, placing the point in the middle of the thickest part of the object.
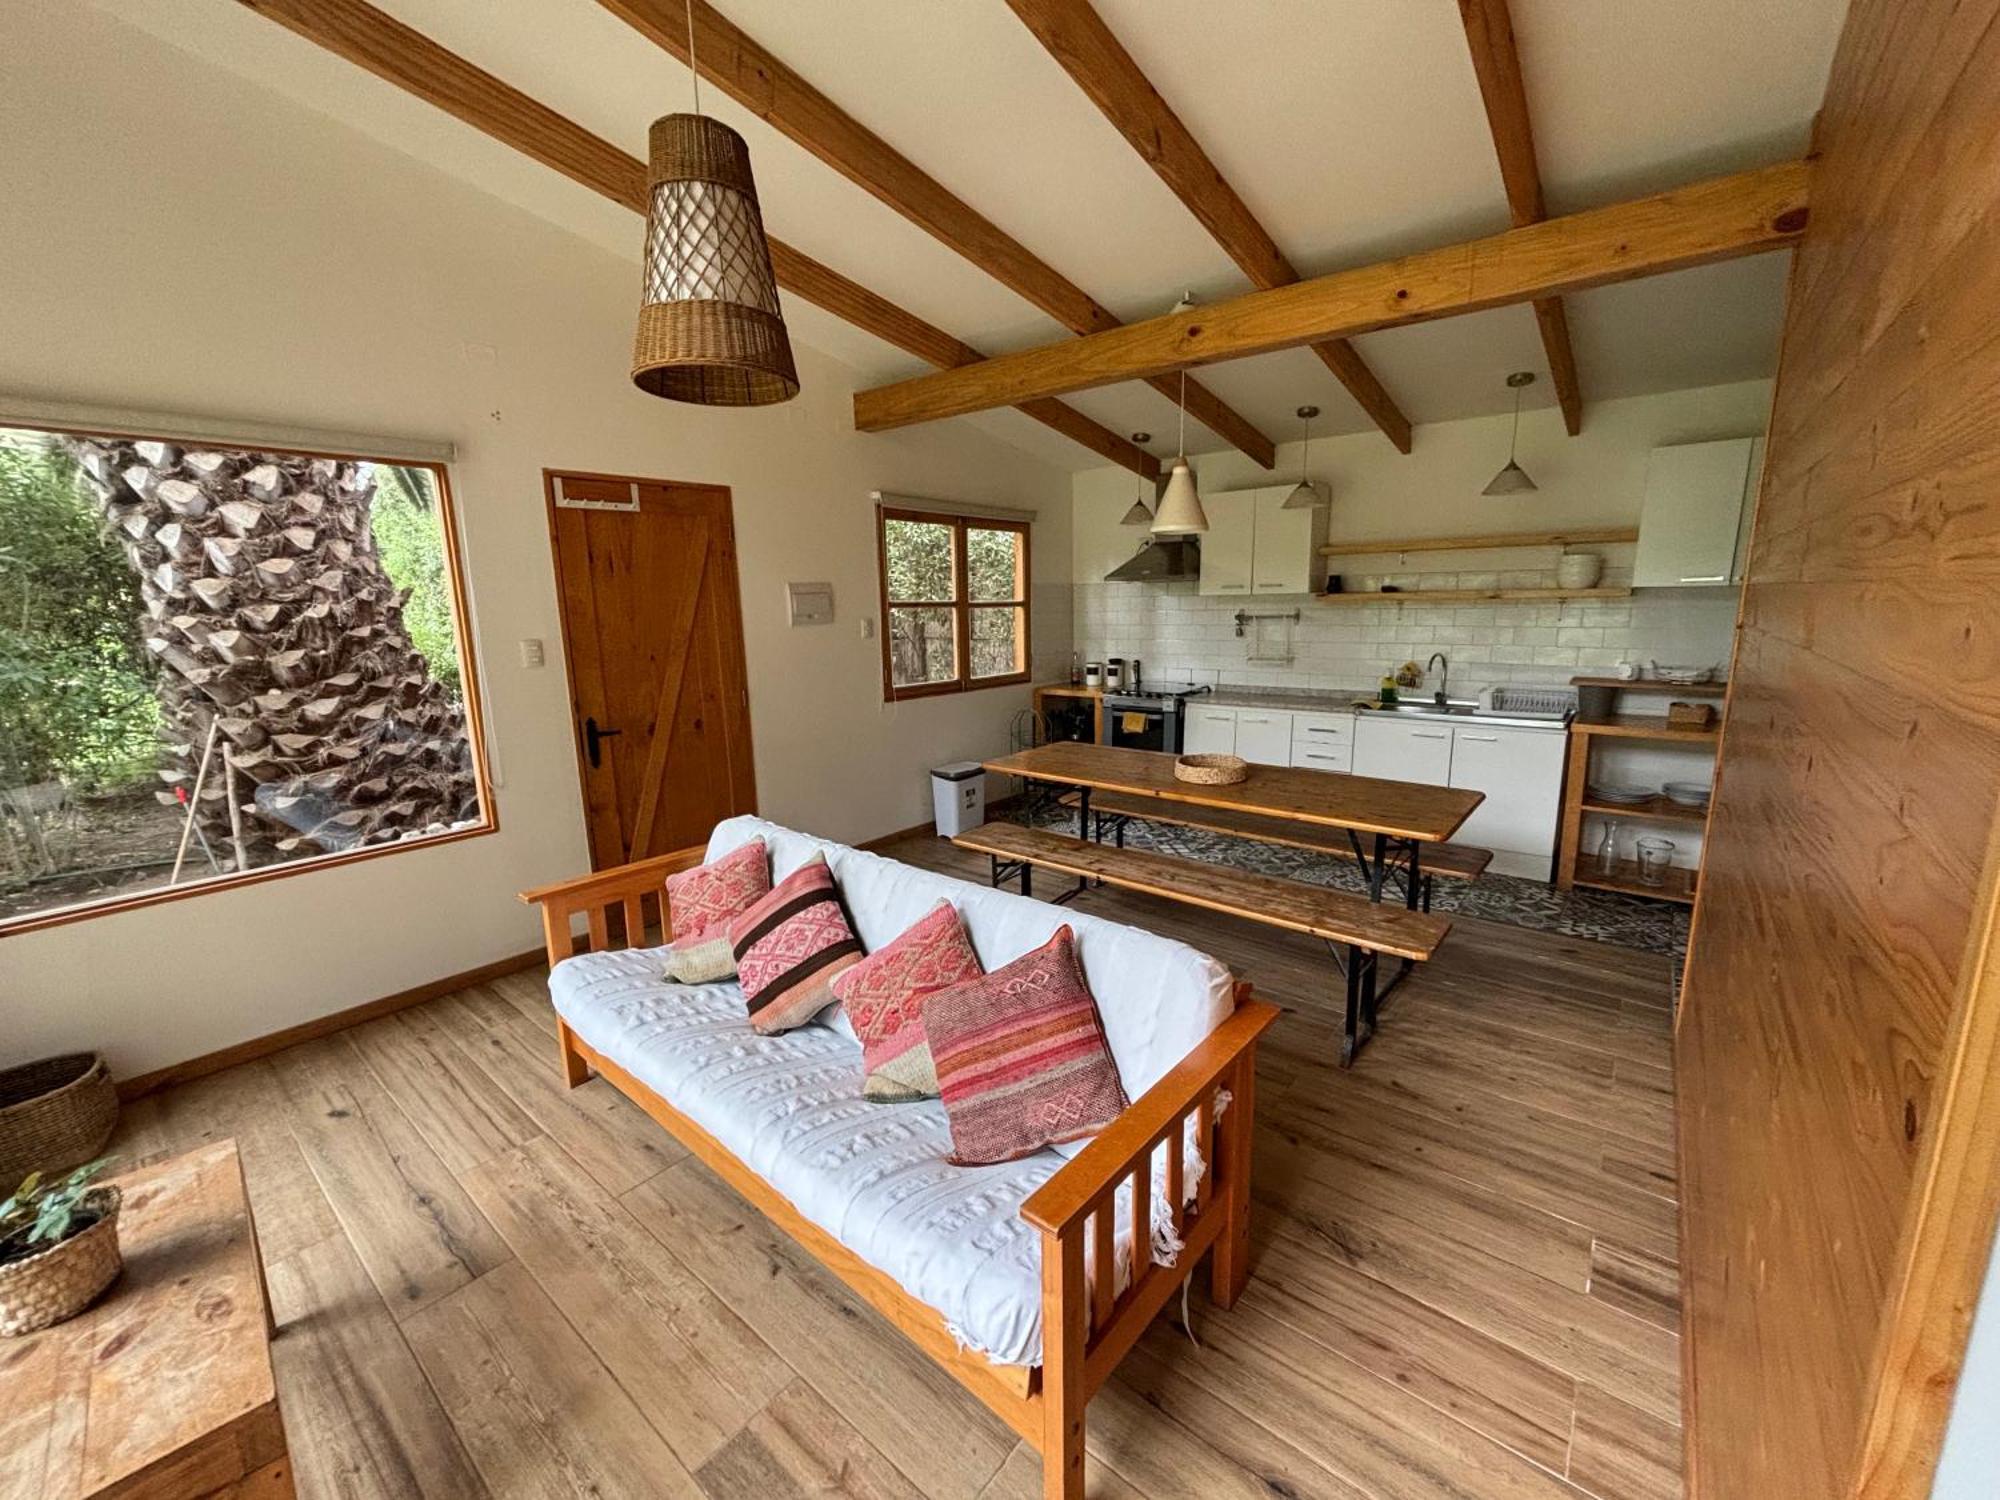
(1397, 818)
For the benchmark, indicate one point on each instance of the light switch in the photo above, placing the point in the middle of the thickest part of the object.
(532, 654)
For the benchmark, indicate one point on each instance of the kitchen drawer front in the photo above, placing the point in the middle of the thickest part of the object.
(1520, 771)
(1403, 751)
(1264, 736)
(1323, 754)
(1323, 729)
(1209, 731)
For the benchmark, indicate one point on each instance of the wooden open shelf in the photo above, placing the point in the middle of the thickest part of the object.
(1679, 886)
(1653, 685)
(1581, 536)
(1656, 808)
(1646, 727)
(1470, 596)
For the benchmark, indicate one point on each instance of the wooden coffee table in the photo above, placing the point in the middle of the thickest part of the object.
(163, 1390)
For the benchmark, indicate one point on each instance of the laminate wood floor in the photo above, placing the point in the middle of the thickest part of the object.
(1464, 1286)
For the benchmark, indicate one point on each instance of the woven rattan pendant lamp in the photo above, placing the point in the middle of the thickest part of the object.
(711, 331)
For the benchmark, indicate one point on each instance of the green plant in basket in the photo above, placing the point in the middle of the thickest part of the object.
(39, 1216)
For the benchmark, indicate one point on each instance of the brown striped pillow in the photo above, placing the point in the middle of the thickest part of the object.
(789, 945)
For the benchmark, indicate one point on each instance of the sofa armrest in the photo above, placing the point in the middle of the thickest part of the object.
(1061, 1203)
(624, 888)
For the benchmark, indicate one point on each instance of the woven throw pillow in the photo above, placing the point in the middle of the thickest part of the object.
(790, 945)
(709, 895)
(1021, 1058)
(883, 996)
(708, 959)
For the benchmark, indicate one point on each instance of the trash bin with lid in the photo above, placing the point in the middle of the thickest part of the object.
(958, 796)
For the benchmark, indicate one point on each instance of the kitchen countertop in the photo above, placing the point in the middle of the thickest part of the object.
(1333, 701)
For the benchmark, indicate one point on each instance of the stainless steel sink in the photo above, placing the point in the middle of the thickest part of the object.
(1468, 708)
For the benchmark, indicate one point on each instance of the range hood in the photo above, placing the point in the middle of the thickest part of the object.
(1160, 559)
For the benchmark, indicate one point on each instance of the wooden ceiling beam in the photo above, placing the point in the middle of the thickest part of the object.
(785, 100)
(1489, 31)
(413, 62)
(1087, 49)
(1747, 213)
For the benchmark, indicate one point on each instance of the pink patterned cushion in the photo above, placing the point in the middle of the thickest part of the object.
(882, 996)
(709, 895)
(790, 945)
(1021, 1058)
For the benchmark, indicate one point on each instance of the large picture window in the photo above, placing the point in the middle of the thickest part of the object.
(220, 664)
(954, 602)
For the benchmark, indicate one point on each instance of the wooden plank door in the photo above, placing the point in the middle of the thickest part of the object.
(653, 636)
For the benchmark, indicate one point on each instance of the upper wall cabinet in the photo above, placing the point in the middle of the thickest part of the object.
(1690, 529)
(1255, 546)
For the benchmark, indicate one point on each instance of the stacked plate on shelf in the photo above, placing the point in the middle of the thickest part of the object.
(1621, 796)
(1687, 794)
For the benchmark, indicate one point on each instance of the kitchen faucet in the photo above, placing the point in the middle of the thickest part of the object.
(1444, 678)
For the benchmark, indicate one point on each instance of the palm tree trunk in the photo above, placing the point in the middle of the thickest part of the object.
(271, 615)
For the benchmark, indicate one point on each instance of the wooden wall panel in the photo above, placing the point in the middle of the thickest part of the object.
(1832, 980)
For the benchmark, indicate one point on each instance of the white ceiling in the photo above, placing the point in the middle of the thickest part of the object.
(1353, 128)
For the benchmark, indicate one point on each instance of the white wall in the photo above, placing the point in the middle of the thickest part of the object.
(1969, 1463)
(1592, 480)
(180, 240)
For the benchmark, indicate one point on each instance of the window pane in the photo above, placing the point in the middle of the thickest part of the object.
(267, 639)
(996, 642)
(922, 646)
(993, 563)
(919, 560)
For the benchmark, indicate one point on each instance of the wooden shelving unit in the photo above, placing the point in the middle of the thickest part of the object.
(1469, 596)
(1576, 537)
(1574, 866)
(1654, 685)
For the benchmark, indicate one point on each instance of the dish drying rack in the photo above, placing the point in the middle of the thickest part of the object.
(1533, 700)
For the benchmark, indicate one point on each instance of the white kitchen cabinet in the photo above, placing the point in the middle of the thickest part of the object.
(1689, 527)
(1520, 771)
(1323, 742)
(1401, 749)
(1264, 737)
(1752, 490)
(1209, 731)
(1255, 546)
(1229, 544)
(1281, 559)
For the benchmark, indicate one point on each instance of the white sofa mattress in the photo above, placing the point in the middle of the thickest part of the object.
(876, 1176)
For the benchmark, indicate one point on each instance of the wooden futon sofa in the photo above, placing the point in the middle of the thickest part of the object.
(1183, 1144)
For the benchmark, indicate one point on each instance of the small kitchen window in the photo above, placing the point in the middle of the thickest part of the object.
(954, 602)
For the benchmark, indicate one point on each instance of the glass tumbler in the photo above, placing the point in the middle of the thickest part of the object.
(1656, 857)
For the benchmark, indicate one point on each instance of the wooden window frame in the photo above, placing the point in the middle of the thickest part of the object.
(468, 665)
(962, 607)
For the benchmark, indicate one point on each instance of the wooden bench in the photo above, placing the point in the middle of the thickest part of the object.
(1112, 810)
(1359, 931)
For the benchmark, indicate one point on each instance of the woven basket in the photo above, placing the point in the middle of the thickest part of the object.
(55, 1114)
(1212, 770)
(63, 1280)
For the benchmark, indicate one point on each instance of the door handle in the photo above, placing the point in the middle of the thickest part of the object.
(593, 741)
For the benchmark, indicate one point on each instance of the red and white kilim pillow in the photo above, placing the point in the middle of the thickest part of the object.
(700, 903)
(790, 945)
(883, 997)
(1021, 1058)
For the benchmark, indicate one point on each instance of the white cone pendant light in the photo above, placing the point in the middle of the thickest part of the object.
(1180, 512)
(1513, 480)
(711, 331)
(1305, 495)
(1140, 514)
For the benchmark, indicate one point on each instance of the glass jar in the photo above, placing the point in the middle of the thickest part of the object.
(1656, 858)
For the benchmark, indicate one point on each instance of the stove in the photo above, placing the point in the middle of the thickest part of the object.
(1148, 717)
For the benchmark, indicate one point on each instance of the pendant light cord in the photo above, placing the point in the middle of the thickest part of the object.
(1183, 436)
(695, 72)
(1514, 437)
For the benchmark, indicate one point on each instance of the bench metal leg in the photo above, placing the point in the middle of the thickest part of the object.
(1358, 1025)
